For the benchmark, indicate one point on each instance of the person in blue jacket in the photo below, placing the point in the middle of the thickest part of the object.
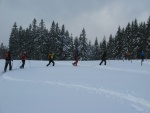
(142, 55)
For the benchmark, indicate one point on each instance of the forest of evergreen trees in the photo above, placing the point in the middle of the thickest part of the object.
(37, 41)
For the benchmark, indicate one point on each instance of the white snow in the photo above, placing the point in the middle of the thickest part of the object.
(118, 87)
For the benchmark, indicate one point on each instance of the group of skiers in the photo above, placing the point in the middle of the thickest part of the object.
(23, 57)
(8, 58)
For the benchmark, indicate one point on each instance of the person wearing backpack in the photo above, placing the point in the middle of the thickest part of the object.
(23, 57)
(51, 59)
(75, 54)
(103, 58)
(8, 61)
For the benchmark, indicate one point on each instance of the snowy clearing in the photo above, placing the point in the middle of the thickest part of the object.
(118, 87)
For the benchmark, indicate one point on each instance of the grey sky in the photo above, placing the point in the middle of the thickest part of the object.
(99, 17)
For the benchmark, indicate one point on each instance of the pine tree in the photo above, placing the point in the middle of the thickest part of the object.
(119, 43)
(83, 45)
(90, 51)
(21, 37)
(96, 50)
(33, 39)
(14, 42)
(135, 38)
(29, 41)
(148, 37)
(53, 38)
(127, 37)
(143, 38)
(111, 48)
(71, 48)
(58, 43)
(40, 43)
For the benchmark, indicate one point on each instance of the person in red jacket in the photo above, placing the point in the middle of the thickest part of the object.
(8, 61)
(76, 58)
(23, 57)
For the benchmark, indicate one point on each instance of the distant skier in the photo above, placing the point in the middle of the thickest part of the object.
(8, 59)
(51, 59)
(23, 57)
(75, 54)
(142, 55)
(103, 58)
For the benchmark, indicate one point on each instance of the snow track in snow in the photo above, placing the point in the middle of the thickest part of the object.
(128, 97)
(120, 69)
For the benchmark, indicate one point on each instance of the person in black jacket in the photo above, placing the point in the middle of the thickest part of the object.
(103, 58)
(8, 61)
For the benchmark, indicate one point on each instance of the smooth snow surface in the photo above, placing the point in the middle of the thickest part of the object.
(118, 87)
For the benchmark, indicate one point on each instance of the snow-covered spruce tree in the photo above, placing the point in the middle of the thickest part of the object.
(33, 39)
(58, 43)
(29, 42)
(143, 39)
(76, 43)
(83, 45)
(40, 41)
(68, 46)
(134, 44)
(96, 55)
(128, 35)
(124, 46)
(22, 40)
(119, 43)
(103, 47)
(14, 42)
(53, 38)
(110, 48)
(71, 48)
(62, 38)
(148, 37)
(90, 51)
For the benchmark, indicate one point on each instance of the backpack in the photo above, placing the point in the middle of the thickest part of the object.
(52, 56)
(49, 56)
(6, 55)
(22, 56)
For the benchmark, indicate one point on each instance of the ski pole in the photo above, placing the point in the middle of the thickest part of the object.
(17, 65)
(12, 64)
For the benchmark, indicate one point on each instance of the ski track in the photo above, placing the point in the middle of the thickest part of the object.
(128, 97)
(120, 69)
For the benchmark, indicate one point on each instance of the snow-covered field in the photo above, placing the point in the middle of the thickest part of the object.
(118, 87)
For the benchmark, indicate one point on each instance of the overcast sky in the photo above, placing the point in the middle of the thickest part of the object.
(99, 17)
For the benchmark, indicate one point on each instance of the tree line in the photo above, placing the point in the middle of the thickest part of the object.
(37, 41)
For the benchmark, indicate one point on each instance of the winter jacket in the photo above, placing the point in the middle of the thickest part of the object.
(23, 56)
(51, 56)
(7, 55)
(104, 56)
(142, 53)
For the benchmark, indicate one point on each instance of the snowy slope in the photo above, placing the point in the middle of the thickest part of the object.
(118, 87)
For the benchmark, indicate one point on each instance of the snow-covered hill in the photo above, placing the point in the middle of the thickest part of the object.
(118, 87)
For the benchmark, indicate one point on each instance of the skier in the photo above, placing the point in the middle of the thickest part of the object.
(142, 56)
(76, 58)
(23, 57)
(51, 59)
(8, 61)
(103, 58)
